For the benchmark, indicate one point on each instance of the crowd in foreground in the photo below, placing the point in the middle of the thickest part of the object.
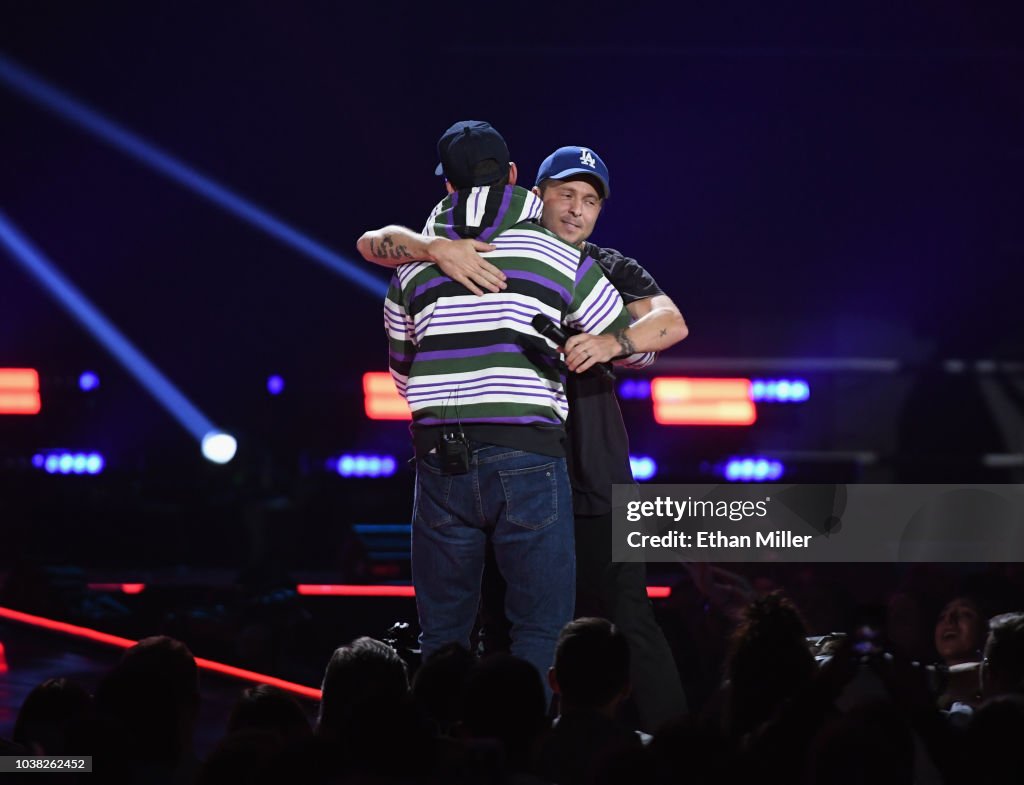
(789, 709)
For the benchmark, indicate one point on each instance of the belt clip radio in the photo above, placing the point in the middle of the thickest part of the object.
(453, 450)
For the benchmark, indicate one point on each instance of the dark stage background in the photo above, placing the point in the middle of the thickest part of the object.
(805, 180)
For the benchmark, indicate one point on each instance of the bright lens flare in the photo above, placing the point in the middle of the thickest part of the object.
(219, 447)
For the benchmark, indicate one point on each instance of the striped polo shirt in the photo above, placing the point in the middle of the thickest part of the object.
(460, 358)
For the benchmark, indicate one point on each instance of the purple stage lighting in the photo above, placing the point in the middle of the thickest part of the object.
(753, 469)
(644, 467)
(69, 462)
(364, 465)
(88, 381)
(780, 390)
(275, 385)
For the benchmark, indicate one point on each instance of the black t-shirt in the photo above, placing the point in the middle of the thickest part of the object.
(596, 431)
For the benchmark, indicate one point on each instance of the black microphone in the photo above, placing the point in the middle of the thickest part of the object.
(557, 333)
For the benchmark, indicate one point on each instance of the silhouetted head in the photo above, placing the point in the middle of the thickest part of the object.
(591, 669)
(363, 676)
(768, 661)
(47, 714)
(268, 708)
(153, 694)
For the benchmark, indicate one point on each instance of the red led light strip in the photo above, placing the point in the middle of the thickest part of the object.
(127, 588)
(694, 401)
(342, 590)
(350, 590)
(381, 399)
(124, 643)
(19, 391)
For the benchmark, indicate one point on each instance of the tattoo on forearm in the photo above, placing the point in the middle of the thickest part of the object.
(664, 332)
(625, 343)
(386, 248)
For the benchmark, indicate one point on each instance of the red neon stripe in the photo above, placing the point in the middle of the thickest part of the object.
(127, 588)
(19, 402)
(241, 673)
(352, 590)
(124, 643)
(19, 380)
(706, 413)
(381, 399)
(68, 629)
(698, 401)
(676, 389)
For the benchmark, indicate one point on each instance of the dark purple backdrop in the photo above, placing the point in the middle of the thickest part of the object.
(803, 181)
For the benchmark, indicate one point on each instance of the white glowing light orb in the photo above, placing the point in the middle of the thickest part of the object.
(219, 447)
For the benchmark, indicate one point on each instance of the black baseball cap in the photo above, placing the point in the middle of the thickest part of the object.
(466, 144)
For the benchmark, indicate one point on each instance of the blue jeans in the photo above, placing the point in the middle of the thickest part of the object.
(523, 502)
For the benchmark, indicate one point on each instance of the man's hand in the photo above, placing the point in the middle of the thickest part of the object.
(460, 260)
(584, 350)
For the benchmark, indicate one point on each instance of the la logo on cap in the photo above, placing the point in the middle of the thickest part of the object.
(587, 159)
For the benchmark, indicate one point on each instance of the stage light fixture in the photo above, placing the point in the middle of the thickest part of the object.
(364, 465)
(634, 389)
(219, 447)
(60, 462)
(275, 385)
(88, 381)
(644, 467)
(780, 390)
(753, 469)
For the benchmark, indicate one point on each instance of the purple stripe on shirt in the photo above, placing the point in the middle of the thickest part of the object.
(484, 386)
(457, 354)
(539, 250)
(429, 285)
(449, 382)
(547, 283)
(467, 397)
(449, 229)
(473, 309)
(400, 358)
(456, 322)
(602, 308)
(506, 199)
(526, 420)
(550, 244)
(584, 268)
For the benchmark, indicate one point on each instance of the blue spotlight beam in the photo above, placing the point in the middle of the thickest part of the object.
(73, 111)
(77, 304)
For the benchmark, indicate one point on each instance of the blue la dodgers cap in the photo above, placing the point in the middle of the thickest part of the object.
(466, 144)
(568, 161)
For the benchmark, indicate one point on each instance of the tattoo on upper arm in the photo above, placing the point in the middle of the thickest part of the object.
(664, 332)
(385, 248)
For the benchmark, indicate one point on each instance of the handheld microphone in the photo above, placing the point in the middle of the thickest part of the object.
(557, 333)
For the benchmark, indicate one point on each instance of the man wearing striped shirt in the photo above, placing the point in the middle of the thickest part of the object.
(487, 396)
(573, 184)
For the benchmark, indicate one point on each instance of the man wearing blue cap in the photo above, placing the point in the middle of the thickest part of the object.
(573, 183)
(487, 398)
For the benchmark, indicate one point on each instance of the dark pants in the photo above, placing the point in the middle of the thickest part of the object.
(615, 591)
